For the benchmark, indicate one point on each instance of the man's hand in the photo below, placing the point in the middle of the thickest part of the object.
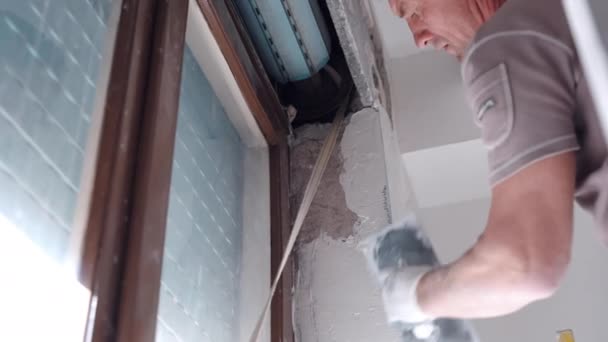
(523, 253)
(399, 295)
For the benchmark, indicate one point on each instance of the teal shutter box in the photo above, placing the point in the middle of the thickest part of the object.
(290, 36)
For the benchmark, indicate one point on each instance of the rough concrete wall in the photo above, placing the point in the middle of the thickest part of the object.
(359, 38)
(400, 192)
(336, 299)
(328, 213)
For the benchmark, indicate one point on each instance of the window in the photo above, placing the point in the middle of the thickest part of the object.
(216, 266)
(109, 159)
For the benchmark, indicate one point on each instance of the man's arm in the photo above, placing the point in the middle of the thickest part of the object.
(521, 256)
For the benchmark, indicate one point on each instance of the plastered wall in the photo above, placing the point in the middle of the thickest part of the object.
(335, 297)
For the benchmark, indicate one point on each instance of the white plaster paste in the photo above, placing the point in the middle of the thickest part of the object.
(336, 297)
(364, 177)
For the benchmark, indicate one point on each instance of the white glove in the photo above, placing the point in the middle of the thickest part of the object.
(399, 295)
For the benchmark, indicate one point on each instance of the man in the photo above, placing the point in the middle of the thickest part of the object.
(530, 98)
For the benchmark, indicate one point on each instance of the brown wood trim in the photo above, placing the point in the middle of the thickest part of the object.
(110, 203)
(281, 309)
(229, 32)
(232, 37)
(144, 253)
(126, 227)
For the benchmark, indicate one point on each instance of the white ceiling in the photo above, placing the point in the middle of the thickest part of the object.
(429, 106)
(448, 174)
(443, 157)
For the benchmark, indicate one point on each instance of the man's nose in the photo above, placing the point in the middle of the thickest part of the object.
(422, 38)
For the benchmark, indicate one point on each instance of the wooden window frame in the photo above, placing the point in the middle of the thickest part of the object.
(122, 251)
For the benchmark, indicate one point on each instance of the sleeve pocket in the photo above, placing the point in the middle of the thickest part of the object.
(490, 96)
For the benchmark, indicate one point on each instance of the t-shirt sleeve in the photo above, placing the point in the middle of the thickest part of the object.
(522, 91)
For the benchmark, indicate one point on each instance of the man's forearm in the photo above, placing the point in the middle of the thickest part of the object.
(523, 253)
(481, 284)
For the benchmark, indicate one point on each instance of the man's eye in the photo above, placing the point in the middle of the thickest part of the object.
(412, 14)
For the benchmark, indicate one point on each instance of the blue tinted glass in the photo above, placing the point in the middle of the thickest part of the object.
(50, 55)
(201, 267)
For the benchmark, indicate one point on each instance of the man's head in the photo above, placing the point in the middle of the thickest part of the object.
(448, 25)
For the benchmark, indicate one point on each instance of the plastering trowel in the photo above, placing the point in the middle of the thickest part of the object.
(405, 245)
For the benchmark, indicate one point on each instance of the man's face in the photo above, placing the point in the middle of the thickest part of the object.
(447, 25)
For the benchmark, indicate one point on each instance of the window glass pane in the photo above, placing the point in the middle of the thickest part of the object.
(216, 267)
(50, 53)
(50, 57)
(200, 292)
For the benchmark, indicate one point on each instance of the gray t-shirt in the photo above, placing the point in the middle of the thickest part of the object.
(530, 98)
